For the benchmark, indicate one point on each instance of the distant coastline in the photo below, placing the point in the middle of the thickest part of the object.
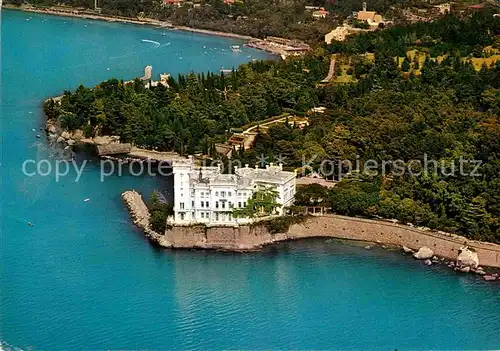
(146, 21)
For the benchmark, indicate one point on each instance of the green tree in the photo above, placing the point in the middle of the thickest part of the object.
(405, 66)
(262, 203)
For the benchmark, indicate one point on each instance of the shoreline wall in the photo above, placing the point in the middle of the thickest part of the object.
(240, 239)
(443, 245)
(253, 238)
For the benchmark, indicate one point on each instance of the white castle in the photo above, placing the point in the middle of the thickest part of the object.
(204, 195)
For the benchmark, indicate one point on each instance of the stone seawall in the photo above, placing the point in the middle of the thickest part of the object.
(242, 238)
(252, 238)
(443, 245)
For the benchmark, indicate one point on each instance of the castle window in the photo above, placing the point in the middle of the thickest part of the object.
(216, 193)
(182, 205)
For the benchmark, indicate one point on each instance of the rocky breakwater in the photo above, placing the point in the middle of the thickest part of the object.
(140, 214)
(467, 261)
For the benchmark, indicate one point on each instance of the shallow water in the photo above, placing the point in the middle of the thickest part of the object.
(82, 277)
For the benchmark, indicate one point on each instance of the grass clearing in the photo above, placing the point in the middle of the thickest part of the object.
(413, 55)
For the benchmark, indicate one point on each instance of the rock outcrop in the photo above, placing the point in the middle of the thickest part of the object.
(407, 250)
(66, 135)
(78, 135)
(67, 139)
(424, 253)
(51, 128)
(467, 258)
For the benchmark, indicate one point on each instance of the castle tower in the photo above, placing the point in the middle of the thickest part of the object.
(364, 6)
(182, 191)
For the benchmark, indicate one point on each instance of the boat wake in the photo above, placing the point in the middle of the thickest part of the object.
(151, 42)
(4, 346)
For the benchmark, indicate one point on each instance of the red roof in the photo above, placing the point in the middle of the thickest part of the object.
(479, 6)
(321, 11)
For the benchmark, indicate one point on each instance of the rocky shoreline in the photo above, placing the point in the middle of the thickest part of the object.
(66, 140)
(467, 261)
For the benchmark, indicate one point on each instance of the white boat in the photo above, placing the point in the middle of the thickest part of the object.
(151, 41)
(235, 48)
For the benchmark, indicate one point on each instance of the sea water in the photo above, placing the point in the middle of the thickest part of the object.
(83, 277)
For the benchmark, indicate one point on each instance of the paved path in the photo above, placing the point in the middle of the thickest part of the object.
(248, 130)
(331, 72)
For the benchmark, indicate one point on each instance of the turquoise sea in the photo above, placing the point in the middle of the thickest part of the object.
(82, 277)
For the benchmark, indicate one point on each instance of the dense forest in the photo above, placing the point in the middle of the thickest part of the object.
(197, 109)
(447, 113)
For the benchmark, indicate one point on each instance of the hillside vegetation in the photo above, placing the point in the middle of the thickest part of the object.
(447, 113)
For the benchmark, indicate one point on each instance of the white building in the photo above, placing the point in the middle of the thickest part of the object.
(205, 195)
(443, 8)
(371, 17)
(321, 13)
(338, 34)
